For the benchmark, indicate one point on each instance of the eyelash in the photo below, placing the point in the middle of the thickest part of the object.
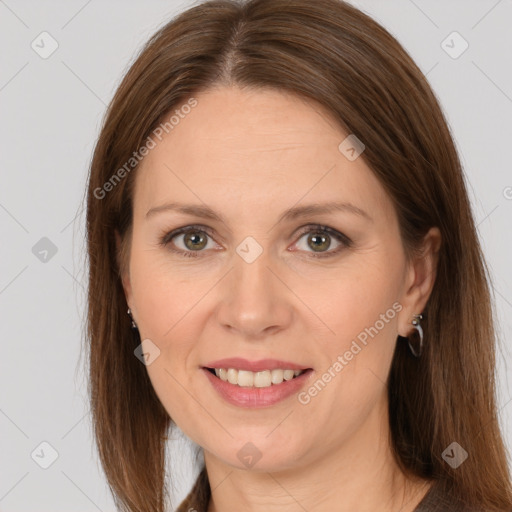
(315, 228)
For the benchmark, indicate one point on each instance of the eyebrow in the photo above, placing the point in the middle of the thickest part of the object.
(290, 214)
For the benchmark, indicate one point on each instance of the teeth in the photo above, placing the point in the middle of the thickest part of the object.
(288, 375)
(277, 376)
(232, 376)
(245, 379)
(263, 379)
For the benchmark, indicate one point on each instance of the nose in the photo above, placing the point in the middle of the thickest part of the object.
(255, 301)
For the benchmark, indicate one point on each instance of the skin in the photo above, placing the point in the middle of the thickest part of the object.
(250, 155)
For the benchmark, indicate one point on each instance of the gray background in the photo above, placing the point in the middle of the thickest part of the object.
(51, 109)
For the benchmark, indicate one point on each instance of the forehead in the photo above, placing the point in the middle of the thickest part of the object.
(254, 149)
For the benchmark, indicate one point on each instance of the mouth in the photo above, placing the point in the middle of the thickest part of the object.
(263, 388)
(261, 379)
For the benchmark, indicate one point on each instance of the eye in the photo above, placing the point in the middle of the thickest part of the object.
(193, 240)
(320, 238)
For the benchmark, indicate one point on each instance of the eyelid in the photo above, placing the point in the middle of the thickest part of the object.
(165, 240)
(344, 240)
(325, 229)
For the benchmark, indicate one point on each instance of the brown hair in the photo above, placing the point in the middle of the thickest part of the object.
(329, 52)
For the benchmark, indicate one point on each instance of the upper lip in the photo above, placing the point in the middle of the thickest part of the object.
(240, 363)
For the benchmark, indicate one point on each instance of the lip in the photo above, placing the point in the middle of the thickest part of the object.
(257, 397)
(239, 363)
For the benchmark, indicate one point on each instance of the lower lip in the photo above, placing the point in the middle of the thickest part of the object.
(257, 397)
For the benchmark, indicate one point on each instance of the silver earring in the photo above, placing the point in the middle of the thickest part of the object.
(134, 325)
(416, 324)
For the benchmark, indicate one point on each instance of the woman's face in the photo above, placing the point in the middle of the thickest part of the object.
(260, 280)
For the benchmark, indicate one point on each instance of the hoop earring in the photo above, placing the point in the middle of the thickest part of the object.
(416, 324)
(134, 325)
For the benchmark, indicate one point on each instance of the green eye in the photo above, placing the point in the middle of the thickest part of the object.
(195, 239)
(320, 239)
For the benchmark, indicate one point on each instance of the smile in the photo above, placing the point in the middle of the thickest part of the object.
(245, 388)
(262, 379)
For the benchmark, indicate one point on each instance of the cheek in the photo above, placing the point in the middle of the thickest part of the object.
(351, 380)
(360, 313)
(355, 300)
(168, 309)
(163, 297)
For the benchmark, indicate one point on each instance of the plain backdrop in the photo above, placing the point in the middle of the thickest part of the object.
(51, 110)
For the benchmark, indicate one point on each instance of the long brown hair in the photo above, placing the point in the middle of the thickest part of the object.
(329, 52)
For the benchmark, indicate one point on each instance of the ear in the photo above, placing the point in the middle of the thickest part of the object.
(124, 271)
(420, 279)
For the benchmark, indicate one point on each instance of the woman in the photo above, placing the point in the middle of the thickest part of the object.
(277, 203)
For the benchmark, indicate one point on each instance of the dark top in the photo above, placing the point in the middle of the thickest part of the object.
(436, 500)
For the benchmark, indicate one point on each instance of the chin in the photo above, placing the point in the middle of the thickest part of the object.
(260, 453)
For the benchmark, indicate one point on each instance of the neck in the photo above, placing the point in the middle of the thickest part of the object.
(360, 475)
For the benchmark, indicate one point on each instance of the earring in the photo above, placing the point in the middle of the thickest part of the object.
(416, 324)
(134, 325)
